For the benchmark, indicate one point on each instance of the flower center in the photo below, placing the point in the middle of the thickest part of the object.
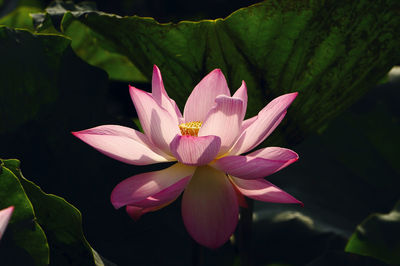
(190, 128)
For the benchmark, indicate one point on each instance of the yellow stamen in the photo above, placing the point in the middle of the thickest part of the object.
(190, 128)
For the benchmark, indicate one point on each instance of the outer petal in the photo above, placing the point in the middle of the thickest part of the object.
(165, 196)
(258, 164)
(136, 212)
(224, 120)
(246, 123)
(210, 207)
(161, 96)
(267, 120)
(159, 126)
(263, 190)
(5, 216)
(123, 144)
(195, 150)
(241, 94)
(138, 188)
(201, 100)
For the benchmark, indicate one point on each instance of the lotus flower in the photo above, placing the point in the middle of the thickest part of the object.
(206, 143)
(5, 216)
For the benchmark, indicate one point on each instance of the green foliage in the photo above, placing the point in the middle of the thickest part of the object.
(20, 17)
(378, 237)
(330, 55)
(45, 225)
(29, 69)
(26, 231)
(98, 51)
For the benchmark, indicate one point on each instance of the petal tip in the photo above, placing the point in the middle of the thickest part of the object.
(116, 204)
(131, 88)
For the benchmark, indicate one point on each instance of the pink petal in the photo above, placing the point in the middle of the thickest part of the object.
(160, 95)
(5, 216)
(158, 125)
(123, 144)
(136, 212)
(263, 190)
(140, 187)
(201, 100)
(267, 120)
(210, 207)
(224, 120)
(195, 150)
(246, 123)
(258, 164)
(241, 94)
(165, 196)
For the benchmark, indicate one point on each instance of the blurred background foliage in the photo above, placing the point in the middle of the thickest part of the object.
(66, 66)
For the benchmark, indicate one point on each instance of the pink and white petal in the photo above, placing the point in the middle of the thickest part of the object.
(5, 216)
(258, 164)
(160, 95)
(224, 120)
(263, 190)
(210, 207)
(275, 153)
(158, 125)
(267, 120)
(140, 187)
(246, 123)
(122, 143)
(165, 196)
(202, 98)
(241, 94)
(195, 150)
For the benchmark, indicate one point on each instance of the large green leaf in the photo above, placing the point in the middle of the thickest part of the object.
(61, 222)
(29, 72)
(378, 237)
(330, 51)
(87, 44)
(97, 51)
(20, 16)
(25, 229)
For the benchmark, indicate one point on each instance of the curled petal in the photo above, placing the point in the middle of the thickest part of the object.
(202, 98)
(165, 196)
(160, 95)
(122, 143)
(263, 190)
(136, 212)
(195, 150)
(241, 94)
(210, 207)
(267, 120)
(136, 189)
(224, 120)
(158, 125)
(5, 216)
(258, 164)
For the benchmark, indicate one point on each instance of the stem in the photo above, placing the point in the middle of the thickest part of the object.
(244, 234)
